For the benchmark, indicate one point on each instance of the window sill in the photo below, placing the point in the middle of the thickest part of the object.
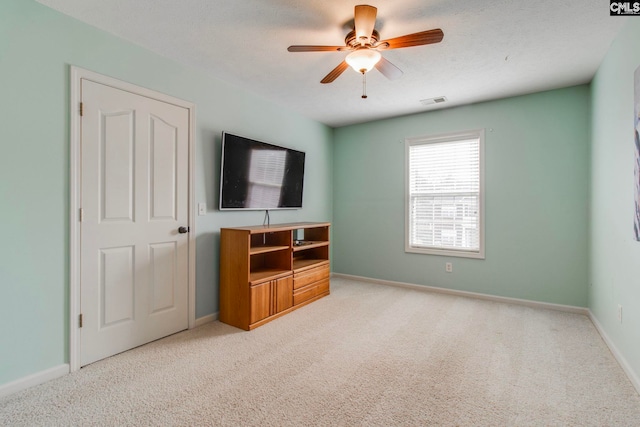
(445, 252)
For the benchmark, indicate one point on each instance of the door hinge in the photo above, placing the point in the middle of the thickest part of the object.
(81, 214)
(81, 109)
(80, 320)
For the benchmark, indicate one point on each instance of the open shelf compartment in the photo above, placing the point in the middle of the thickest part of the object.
(270, 241)
(262, 263)
(311, 257)
(308, 238)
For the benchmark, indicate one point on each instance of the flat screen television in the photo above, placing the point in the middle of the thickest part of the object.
(259, 176)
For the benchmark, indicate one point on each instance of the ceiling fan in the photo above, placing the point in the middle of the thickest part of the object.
(364, 44)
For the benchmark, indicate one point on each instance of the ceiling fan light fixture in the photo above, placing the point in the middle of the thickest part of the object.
(363, 60)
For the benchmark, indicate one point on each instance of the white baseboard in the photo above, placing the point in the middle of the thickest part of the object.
(633, 377)
(34, 379)
(206, 319)
(423, 288)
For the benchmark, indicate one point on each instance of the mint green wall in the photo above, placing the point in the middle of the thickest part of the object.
(615, 266)
(536, 172)
(37, 47)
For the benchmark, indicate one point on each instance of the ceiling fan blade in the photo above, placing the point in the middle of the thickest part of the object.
(388, 70)
(307, 48)
(415, 39)
(364, 18)
(335, 73)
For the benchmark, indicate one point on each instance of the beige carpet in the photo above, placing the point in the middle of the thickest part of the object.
(367, 355)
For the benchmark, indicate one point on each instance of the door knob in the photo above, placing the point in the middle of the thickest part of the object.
(183, 230)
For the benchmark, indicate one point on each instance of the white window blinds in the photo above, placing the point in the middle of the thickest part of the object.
(444, 195)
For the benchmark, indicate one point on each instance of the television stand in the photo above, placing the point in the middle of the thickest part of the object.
(265, 273)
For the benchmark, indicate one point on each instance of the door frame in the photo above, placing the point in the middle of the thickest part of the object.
(76, 76)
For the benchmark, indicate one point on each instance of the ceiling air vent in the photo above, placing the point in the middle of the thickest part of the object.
(436, 100)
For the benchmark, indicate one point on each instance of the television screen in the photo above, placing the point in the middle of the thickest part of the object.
(260, 176)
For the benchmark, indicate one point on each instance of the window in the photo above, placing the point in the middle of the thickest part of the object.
(444, 194)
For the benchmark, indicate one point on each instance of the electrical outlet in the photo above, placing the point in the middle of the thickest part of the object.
(619, 313)
(448, 267)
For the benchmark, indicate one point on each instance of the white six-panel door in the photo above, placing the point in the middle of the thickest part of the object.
(134, 198)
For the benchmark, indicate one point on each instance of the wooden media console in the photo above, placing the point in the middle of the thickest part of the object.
(268, 271)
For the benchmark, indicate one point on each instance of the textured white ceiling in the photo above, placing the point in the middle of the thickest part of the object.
(491, 48)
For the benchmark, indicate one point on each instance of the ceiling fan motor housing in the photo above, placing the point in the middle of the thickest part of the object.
(351, 40)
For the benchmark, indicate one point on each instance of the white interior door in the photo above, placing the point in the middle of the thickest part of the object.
(134, 198)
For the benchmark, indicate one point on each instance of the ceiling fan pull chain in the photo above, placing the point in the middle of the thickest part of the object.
(364, 85)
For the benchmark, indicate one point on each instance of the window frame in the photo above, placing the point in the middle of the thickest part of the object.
(440, 138)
